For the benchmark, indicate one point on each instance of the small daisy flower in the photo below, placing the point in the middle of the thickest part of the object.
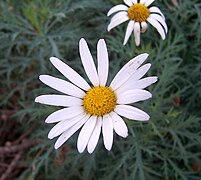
(138, 13)
(98, 107)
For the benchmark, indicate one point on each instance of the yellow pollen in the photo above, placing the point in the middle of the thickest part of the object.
(138, 12)
(99, 100)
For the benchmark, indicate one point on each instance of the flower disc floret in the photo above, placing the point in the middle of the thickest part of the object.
(138, 12)
(99, 100)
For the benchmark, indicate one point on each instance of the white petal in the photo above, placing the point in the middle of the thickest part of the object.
(140, 72)
(157, 25)
(107, 132)
(70, 74)
(132, 113)
(137, 33)
(139, 84)
(103, 62)
(118, 16)
(88, 62)
(129, 30)
(144, 26)
(85, 133)
(155, 9)
(160, 20)
(142, 1)
(62, 126)
(119, 125)
(134, 1)
(128, 2)
(62, 86)
(148, 2)
(145, 82)
(132, 96)
(117, 22)
(65, 113)
(58, 100)
(127, 70)
(119, 7)
(95, 135)
(67, 134)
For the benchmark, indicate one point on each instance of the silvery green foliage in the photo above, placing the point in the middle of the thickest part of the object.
(167, 147)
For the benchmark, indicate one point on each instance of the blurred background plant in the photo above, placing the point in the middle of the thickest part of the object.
(167, 147)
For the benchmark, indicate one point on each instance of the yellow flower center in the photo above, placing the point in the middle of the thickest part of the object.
(99, 100)
(138, 12)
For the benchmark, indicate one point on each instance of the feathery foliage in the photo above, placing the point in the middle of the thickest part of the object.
(168, 146)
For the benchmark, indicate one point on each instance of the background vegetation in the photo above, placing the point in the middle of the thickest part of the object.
(167, 147)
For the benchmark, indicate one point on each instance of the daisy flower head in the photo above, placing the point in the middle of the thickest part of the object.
(97, 107)
(138, 13)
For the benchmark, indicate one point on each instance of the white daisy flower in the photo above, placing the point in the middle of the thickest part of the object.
(138, 13)
(97, 107)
